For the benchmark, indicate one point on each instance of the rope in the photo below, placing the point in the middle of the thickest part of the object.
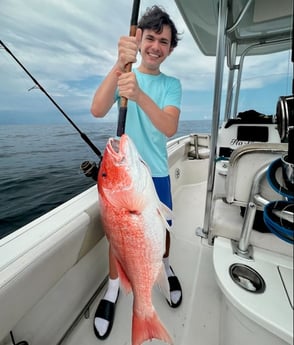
(279, 226)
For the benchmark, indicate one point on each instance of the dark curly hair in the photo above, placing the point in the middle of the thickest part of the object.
(154, 19)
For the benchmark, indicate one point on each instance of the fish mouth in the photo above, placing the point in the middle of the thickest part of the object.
(116, 148)
(123, 151)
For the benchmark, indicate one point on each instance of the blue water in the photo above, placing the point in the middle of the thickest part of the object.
(40, 166)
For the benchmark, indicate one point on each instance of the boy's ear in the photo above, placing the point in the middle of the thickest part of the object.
(170, 50)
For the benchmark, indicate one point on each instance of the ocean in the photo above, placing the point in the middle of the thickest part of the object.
(40, 166)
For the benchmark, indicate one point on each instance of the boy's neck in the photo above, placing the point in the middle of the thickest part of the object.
(145, 70)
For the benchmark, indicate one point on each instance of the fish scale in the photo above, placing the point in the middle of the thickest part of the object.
(135, 226)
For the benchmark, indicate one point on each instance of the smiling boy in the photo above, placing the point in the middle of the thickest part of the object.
(154, 101)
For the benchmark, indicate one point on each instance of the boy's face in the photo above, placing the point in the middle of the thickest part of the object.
(155, 48)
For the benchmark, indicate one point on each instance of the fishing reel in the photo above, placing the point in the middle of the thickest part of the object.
(278, 215)
(285, 123)
(91, 169)
(285, 116)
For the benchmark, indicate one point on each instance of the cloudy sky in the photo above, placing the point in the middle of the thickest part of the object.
(70, 45)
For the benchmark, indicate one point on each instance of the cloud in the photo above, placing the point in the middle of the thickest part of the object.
(69, 47)
(263, 70)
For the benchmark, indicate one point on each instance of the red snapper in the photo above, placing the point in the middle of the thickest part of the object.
(135, 224)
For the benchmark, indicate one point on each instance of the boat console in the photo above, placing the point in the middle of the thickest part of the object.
(257, 176)
(247, 127)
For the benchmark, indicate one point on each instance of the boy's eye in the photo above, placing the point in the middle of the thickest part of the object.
(163, 41)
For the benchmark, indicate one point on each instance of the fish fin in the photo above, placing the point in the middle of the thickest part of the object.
(166, 211)
(123, 278)
(165, 214)
(148, 328)
(162, 283)
(126, 199)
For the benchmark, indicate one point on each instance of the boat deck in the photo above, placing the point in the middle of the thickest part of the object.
(188, 258)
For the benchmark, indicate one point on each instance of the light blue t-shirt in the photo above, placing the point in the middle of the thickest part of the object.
(150, 142)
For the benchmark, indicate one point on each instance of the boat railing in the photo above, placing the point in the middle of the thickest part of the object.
(244, 162)
(256, 199)
(245, 186)
(242, 247)
(195, 146)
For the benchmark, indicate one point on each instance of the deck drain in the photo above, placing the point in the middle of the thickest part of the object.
(247, 278)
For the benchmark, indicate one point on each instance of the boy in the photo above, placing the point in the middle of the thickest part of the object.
(153, 114)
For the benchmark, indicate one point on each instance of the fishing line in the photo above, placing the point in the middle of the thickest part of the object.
(39, 86)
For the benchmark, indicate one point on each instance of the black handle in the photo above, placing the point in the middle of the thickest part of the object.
(135, 12)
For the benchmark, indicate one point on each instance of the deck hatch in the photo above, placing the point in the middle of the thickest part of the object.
(247, 278)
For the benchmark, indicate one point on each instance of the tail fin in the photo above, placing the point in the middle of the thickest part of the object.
(148, 329)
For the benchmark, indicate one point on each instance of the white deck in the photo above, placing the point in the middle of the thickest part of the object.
(188, 257)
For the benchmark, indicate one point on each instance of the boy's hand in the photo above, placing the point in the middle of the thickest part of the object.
(128, 86)
(128, 47)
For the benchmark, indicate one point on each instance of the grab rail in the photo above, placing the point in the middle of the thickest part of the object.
(243, 247)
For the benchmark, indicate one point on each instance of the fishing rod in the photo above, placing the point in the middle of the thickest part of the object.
(83, 135)
(90, 169)
(124, 101)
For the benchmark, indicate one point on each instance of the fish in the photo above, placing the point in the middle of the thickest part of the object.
(135, 223)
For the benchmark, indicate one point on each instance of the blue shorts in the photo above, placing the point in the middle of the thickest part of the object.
(163, 189)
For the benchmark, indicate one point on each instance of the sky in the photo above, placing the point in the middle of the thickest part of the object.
(70, 45)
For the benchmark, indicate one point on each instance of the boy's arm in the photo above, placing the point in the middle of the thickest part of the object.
(104, 95)
(166, 120)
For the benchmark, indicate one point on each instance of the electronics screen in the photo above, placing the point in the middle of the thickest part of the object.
(252, 133)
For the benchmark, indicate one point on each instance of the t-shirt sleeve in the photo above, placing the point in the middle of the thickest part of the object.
(173, 93)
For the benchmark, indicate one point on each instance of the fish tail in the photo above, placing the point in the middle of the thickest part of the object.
(148, 328)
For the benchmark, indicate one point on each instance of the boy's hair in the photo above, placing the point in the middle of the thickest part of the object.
(154, 19)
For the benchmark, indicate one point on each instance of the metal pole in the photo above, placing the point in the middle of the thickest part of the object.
(220, 57)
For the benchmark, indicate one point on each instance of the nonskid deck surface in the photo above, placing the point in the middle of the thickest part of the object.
(185, 257)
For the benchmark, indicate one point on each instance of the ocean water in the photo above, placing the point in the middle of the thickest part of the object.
(40, 166)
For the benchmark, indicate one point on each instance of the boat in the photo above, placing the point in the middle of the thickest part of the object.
(236, 275)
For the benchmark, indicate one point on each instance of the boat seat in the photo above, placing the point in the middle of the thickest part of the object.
(243, 166)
